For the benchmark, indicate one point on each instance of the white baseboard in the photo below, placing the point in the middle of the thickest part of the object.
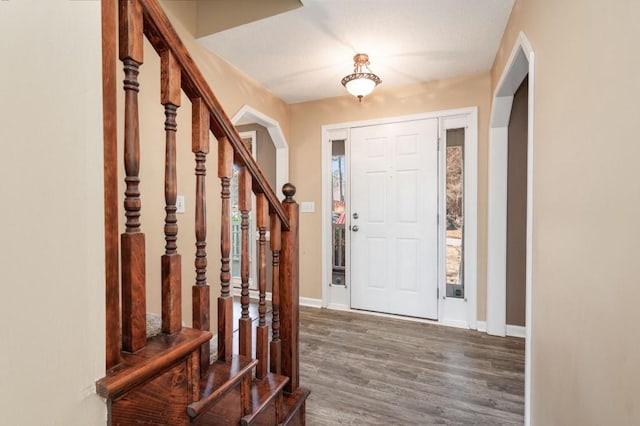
(512, 330)
(516, 331)
(253, 294)
(311, 302)
(304, 301)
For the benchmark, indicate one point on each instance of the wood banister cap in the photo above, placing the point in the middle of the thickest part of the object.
(289, 190)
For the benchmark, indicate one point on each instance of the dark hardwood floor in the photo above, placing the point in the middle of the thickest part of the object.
(368, 370)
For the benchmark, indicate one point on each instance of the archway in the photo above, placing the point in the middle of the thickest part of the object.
(519, 65)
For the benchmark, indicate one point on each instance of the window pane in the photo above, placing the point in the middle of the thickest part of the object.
(455, 212)
(338, 176)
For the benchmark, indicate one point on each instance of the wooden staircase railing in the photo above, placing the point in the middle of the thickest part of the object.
(169, 378)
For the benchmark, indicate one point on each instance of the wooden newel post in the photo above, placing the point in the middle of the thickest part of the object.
(289, 290)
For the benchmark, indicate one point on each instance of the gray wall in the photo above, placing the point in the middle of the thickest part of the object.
(265, 153)
(517, 208)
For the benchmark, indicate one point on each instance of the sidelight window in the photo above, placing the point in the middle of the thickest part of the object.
(455, 212)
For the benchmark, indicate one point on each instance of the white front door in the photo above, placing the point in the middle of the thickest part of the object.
(394, 218)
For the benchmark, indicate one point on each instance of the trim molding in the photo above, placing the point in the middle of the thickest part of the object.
(516, 331)
(310, 302)
(481, 326)
(249, 115)
(520, 63)
(253, 294)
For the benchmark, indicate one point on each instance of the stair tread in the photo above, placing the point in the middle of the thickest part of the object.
(160, 352)
(221, 378)
(263, 391)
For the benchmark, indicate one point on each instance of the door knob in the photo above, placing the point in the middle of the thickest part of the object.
(355, 228)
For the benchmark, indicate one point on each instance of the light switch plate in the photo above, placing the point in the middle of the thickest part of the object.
(180, 204)
(307, 207)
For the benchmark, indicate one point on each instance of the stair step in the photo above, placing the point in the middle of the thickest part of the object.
(160, 353)
(223, 376)
(263, 392)
(293, 403)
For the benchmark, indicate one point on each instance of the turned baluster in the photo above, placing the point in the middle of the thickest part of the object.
(171, 260)
(275, 347)
(200, 147)
(132, 240)
(289, 292)
(225, 301)
(262, 331)
(244, 205)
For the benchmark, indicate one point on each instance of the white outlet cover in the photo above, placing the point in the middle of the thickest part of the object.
(308, 207)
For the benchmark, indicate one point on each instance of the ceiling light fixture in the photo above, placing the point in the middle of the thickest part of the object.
(362, 81)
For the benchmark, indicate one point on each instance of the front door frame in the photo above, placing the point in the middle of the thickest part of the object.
(338, 298)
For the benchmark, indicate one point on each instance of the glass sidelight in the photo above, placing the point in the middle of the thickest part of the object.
(338, 195)
(455, 212)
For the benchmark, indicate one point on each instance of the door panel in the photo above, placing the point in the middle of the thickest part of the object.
(394, 201)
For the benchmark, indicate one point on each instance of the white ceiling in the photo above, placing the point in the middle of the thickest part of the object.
(303, 54)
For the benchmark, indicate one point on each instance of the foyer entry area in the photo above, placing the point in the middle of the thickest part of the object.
(386, 216)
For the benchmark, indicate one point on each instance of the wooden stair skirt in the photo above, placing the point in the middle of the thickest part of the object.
(161, 385)
(168, 379)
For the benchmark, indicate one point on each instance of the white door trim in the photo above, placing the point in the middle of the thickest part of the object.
(470, 123)
(342, 131)
(520, 63)
(249, 115)
(334, 297)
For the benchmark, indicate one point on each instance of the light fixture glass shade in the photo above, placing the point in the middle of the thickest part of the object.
(362, 81)
(360, 87)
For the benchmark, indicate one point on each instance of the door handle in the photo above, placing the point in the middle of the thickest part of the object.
(355, 228)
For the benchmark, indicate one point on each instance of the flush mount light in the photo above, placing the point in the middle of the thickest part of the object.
(362, 81)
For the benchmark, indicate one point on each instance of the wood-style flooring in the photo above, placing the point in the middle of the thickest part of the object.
(368, 370)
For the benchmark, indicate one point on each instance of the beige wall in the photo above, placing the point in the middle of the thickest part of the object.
(305, 155)
(232, 88)
(585, 319)
(219, 15)
(52, 250)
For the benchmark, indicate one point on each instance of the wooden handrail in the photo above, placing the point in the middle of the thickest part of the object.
(179, 351)
(162, 36)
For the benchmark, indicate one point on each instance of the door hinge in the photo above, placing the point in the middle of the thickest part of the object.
(438, 293)
(439, 139)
